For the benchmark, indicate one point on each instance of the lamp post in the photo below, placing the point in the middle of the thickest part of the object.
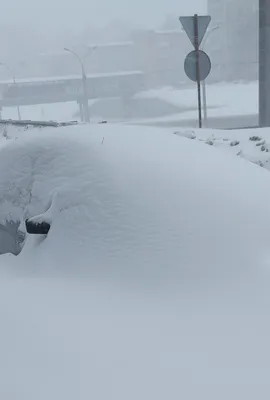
(203, 82)
(10, 70)
(84, 81)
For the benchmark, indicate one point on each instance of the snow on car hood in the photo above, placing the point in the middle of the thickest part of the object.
(136, 199)
(167, 244)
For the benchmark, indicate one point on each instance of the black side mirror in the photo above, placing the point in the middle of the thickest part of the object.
(37, 228)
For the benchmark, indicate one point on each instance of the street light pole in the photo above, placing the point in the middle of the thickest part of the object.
(84, 83)
(14, 83)
(18, 107)
(205, 117)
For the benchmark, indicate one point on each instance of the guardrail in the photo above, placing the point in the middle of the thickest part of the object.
(241, 127)
(36, 123)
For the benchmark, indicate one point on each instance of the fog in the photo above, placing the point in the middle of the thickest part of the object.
(141, 41)
(31, 27)
(74, 14)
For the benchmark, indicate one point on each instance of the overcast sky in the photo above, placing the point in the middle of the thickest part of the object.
(75, 13)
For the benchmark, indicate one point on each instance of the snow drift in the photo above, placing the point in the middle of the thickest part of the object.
(143, 201)
(153, 281)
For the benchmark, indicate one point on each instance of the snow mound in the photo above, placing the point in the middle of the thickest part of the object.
(141, 200)
(167, 243)
(251, 144)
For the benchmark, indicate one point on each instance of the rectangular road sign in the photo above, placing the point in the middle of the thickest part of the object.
(188, 24)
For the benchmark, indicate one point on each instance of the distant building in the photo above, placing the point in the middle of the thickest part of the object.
(113, 57)
(161, 54)
(101, 58)
(234, 45)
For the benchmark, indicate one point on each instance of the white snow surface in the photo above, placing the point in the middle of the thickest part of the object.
(43, 112)
(251, 144)
(223, 99)
(153, 281)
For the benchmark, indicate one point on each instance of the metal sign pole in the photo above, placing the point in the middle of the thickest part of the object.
(197, 64)
(204, 103)
(196, 36)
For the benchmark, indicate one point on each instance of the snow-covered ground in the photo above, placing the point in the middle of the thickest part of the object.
(252, 144)
(43, 112)
(223, 100)
(153, 281)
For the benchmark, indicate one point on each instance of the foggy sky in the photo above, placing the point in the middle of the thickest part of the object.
(75, 13)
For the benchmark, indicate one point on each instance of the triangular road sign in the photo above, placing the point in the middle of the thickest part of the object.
(188, 26)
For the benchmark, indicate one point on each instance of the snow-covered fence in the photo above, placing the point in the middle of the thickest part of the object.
(36, 123)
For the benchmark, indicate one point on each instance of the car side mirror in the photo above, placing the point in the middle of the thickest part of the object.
(37, 228)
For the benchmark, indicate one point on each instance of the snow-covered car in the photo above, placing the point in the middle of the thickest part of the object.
(153, 279)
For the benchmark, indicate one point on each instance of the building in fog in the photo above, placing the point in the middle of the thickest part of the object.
(161, 56)
(234, 45)
(102, 58)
